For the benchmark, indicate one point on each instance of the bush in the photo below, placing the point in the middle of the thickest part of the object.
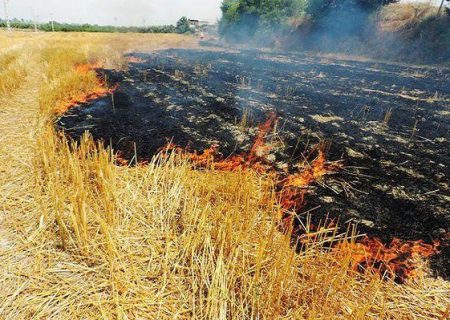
(411, 32)
(183, 26)
(243, 19)
(414, 32)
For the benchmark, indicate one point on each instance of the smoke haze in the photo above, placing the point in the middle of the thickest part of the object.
(114, 12)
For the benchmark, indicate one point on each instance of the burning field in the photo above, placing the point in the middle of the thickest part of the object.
(348, 142)
(218, 184)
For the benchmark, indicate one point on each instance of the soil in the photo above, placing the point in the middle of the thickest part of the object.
(388, 123)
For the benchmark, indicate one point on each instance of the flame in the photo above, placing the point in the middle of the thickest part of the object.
(259, 149)
(255, 159)
(292, 189)
(100, 90)
(120, 159)
(315, 171)
(399, 260)
(133, 59)
(84, 68)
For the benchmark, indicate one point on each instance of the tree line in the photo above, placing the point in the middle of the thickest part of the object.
(181, 27)
(248, 18)
(382, 28)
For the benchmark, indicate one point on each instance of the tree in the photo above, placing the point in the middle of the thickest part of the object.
(183, 25)
(242, 19)
(318, 9)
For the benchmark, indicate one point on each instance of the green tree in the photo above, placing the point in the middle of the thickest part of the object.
(183, 25)
(318, 9)
(245, 18)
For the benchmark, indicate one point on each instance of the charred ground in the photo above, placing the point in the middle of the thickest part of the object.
(389, 123)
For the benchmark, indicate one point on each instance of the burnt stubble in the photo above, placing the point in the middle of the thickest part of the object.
(388, 123)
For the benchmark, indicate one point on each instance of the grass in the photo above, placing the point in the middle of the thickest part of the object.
(12, 73)
(413, 32)
(401, 16)
(387, 117)
(82, 238)
(246, 120)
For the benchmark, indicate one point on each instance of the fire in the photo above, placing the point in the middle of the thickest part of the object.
(255, 159)
(100, 90)
(399, 260)
(84, 68)
(259, 148)
(292, 188)
(132, 59)
(315, 171)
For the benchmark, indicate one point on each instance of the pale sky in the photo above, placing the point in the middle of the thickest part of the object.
(120, 12)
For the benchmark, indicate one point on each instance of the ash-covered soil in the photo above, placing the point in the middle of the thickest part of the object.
(389, 123)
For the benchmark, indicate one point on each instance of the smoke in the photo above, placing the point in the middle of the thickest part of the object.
(397, 31)
(342, 28)
(329, 22)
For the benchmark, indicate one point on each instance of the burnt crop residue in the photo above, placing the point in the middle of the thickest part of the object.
(388, 124)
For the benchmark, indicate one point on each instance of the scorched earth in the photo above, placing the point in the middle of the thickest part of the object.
(388, 124)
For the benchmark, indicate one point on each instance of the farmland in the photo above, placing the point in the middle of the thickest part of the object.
(388, 123)
(104, 225)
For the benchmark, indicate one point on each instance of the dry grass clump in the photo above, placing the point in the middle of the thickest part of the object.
(413, 32)
(83, 238)
(65, 84)
(12, 72)
(402, 16)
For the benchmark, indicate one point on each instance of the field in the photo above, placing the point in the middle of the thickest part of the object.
(388, 123)
(92, 232)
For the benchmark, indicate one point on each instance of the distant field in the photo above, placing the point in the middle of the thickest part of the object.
(83, 237)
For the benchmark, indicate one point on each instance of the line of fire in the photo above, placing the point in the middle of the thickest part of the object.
(343, 143)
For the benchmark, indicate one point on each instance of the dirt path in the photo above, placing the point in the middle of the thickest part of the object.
(18, 114)
(18, 123)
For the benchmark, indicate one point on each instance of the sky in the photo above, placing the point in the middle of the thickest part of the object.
(115, 12)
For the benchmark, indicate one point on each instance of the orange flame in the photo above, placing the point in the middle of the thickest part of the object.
(259, 148)
(255, 159)
(100, 90)
(315, 171)
(84, 68)
(292, 188)
(399, 260)
(133, 59)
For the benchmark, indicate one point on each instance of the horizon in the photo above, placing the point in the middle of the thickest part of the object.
(136, 13)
